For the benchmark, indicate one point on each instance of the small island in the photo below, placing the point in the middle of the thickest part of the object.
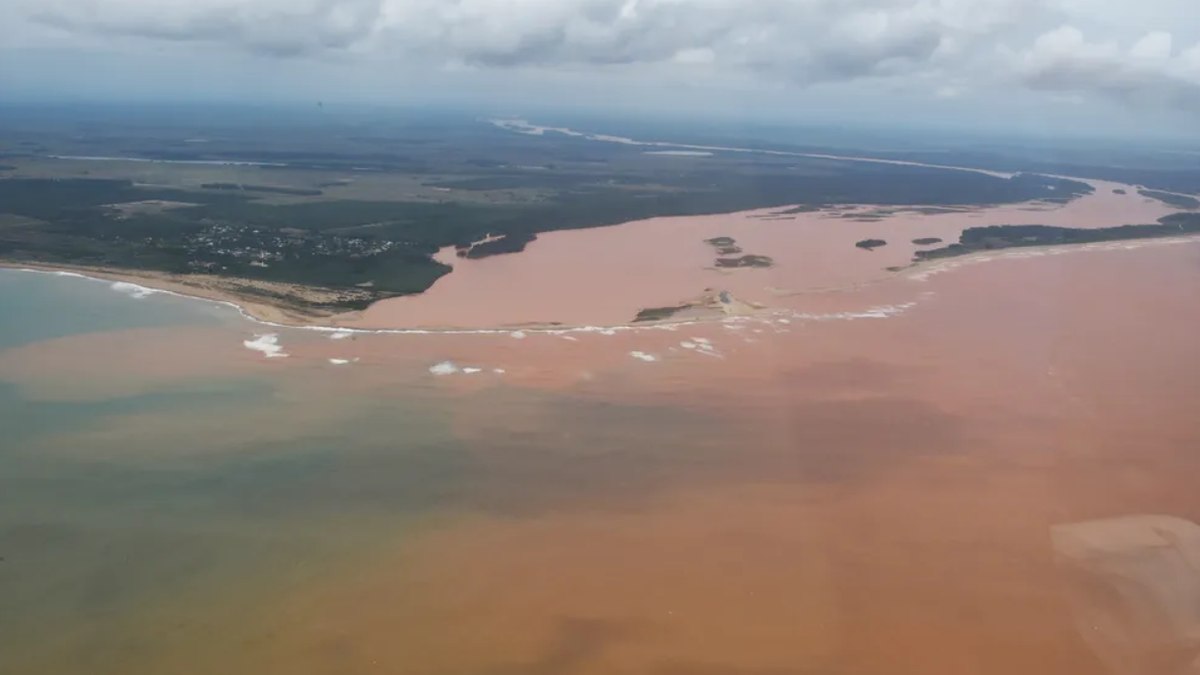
(746, 261)
(724, 245)
(727, 246)
(927, 241)
(659, 313)
(870, 244)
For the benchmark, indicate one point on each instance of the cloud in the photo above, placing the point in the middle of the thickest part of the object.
(805, 39)
(937, 45)
(280, 28)
(1149, 71)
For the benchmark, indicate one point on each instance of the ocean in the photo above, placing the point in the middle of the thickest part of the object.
(852, 492)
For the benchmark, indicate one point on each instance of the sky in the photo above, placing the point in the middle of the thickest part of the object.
(1049, 66)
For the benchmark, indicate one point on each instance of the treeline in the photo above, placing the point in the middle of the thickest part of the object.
(303, 192)
(995, 237)
(1172, 199)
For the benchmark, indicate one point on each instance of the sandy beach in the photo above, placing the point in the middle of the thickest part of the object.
(245, 294)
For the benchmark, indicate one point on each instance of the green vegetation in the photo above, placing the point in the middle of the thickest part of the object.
(927, 241)
(1172, 199)
(510, 243)
(746, 261)
(368, 211)
(724, 245)
(995, 237)
(870, 244)
(727, 246)
(659, 313)
(304, 192)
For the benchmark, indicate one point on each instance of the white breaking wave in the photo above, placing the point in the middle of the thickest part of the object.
(342, 362)
(879, 312)
(444, 368)
(132, 290)
(268, 344)
(452, 368)
(643, 356)
(341, 335)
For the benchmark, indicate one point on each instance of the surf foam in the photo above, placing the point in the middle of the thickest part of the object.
(268, 344)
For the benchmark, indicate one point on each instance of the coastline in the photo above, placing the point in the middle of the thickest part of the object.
(222, 290)
(218, 290)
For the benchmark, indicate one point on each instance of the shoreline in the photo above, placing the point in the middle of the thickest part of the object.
(273, 316)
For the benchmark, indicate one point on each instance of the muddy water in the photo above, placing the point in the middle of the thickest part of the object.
(831, 490)
(606, 275)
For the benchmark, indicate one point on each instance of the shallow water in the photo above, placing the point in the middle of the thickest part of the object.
(827, 494)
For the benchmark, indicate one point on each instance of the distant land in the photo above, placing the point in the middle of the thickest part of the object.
(996, 237)
(331, 219)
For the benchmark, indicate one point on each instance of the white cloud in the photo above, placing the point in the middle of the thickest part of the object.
(1148, 71)
(1073, 47)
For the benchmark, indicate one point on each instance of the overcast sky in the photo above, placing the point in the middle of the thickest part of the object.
(1045, 65)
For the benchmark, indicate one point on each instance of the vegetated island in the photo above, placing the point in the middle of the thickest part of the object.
(746, 261)
(727, 246)
(927, 241)
(1172, 199)
(996, 237)
(870, 244)
(724, 245)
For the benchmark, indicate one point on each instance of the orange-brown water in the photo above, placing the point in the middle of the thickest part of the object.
(604, 276)
(830, 494)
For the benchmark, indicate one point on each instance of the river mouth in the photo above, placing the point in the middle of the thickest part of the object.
(608, 276)
(810, 495)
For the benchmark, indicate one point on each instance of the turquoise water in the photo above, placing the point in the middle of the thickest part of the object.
(118, 510)
(36, 306)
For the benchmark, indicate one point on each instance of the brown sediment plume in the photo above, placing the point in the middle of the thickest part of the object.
(872, 495)
(834, 489)
(604, 276)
